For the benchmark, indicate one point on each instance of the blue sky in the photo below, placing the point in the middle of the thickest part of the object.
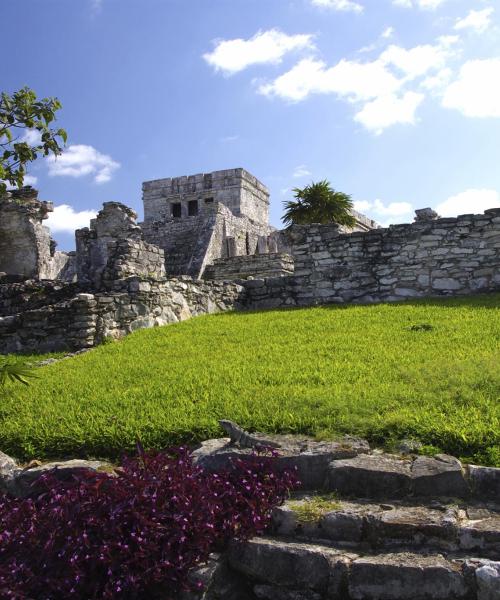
(396, 102)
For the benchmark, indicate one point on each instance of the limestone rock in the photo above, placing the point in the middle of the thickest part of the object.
(488, 581)
(8, 472)
(406, 577)
(438, 476)
(26, 481)
(292, 565)
(269, 592)
(309, 457)
(370, 477)
(485, 482)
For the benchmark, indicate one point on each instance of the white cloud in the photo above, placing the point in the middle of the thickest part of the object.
(424, 4)
(30, 180)
(473, 201)
(350, 79)
(417, 61)
(341, 5)
(362, 205)
(476, 20)
(387, 33)
(476, 92)
(32, 137)
(393, 209)
(66, 219)
(389, 110)
(385, 213)
(301, 171)
(438, 81)
(380, 84)
(79, 160)
(232, 56)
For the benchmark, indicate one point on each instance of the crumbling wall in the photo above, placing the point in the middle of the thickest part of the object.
(453, 256)
(255, 266)
(193, 243)
(237, 189)
(24, 241)
(112, 248)
(26, 249)
(87, 319)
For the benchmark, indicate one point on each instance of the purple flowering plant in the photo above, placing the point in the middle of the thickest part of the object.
(136, 533)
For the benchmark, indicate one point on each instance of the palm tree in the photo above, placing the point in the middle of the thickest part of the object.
(14, 372)
(318, 203)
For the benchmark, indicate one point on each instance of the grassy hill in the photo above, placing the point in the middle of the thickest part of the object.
(428, 370)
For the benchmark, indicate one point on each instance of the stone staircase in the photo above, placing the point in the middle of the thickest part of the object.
(380, 527)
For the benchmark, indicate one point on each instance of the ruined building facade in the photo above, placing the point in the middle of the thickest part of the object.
(206, 245)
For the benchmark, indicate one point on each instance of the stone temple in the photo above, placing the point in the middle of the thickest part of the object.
(212, 225)
(199, 219)
(206, 246)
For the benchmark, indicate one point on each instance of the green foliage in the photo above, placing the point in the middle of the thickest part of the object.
(19, 113)
(311, 509)
(322, 370)
(318, 203)
(14, 371)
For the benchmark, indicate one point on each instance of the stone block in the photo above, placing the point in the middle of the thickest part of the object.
(406, 576)
(371, 476)
(27, 481)
(289, 564)
(484, 482)
(488, 581)
(446, 283)
(439, 476)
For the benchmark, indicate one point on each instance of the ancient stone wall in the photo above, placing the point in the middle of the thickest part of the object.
(112, 248)
(30, 295)
(26, 249)
(87, 319)
(255, 266)
(170, 198)
(427, 258)
(192, 243)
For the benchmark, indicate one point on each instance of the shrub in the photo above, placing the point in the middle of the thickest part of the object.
(135, 534)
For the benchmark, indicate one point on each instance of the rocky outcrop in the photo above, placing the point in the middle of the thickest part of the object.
(393, 539)
(431, 257)
(26, 249)
(370, 526)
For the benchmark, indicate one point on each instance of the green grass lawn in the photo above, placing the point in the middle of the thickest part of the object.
(322, 371)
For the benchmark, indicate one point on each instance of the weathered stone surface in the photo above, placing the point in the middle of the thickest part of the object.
(292, 565)
(8, 472)
(256, 266)
(438, 476)
(309, 457)
(488, 581)
(426, 258)
(26, 249)
(87, 319)
(25, 482)
(484, 482)
(268, 592)
(406, 577)
(481, 534)
(415, 526)
(370, 477)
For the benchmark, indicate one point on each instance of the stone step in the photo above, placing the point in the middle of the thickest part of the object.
(371, 525)
(350, 467)
(386, 476)
(280, 569)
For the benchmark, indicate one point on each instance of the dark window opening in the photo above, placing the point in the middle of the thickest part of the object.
(209, 200)
(177, 210)
(192, 208)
